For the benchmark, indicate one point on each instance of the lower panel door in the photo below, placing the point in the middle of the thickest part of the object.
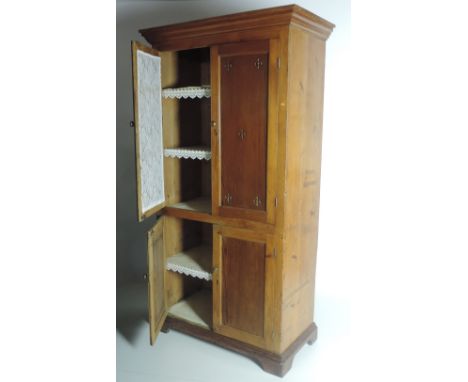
(243, 286)
(157, 305)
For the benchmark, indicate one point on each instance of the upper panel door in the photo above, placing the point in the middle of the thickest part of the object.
(241, 112)
(157, 305)
(148, 130)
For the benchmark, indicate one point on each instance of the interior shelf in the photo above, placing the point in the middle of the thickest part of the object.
(194, 152)
(196, 309)
(202, 205)
(187, 92)
(195, 262)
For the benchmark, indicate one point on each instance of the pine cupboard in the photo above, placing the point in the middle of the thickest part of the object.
(228, 128)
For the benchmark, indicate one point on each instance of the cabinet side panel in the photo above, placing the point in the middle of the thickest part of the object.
(302, 181)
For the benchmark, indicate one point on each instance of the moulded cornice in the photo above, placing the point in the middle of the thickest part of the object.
(166, 37)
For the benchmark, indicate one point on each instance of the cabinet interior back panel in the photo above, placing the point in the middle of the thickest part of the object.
(150, 131)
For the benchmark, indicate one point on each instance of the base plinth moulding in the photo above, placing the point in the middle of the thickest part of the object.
(277, 364)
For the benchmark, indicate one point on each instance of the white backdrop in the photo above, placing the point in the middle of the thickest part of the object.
(389, 300)
(391, 275)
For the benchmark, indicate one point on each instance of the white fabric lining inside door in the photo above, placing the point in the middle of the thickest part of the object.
(150, 131)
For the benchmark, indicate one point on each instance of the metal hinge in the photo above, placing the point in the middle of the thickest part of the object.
(278, 63)
(258, 63)
(272, 255)
(276, 201)
(257, 201)
(228, 198)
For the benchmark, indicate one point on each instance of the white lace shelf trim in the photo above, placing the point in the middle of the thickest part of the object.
(195, 262)
(187, 92)
(189, 153)
(189, 272)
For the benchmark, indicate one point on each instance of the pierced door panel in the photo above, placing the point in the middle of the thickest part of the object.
(245, 129)
(244, 96)
(148, 130)
(157, 304)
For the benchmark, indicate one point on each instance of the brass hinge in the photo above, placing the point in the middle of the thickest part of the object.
(258, 63)
(257, 201)
(228, 198)
(278, 63)
(273, 253)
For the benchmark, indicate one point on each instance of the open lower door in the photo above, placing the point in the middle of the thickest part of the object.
(157, 305)
(148, 130)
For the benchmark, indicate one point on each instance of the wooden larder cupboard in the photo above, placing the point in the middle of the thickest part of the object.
(228, 127)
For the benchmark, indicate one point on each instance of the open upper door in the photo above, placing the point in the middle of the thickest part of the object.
(157, 304)
(148, 130)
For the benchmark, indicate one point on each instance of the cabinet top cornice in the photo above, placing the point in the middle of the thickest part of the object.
(163, 37)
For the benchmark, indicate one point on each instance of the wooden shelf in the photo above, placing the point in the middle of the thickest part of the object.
(196, 309)
(195, 262)
(200, 210)
(187, 92)
(193, 152)
(198, 205)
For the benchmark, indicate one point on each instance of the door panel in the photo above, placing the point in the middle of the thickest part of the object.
(157, 305)
(243, 274)
(244, 108)
(244, 96)
(244, 291)
(148, 130)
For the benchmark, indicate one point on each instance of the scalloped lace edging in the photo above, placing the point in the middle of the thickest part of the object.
(187, 92)
(189, 272)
